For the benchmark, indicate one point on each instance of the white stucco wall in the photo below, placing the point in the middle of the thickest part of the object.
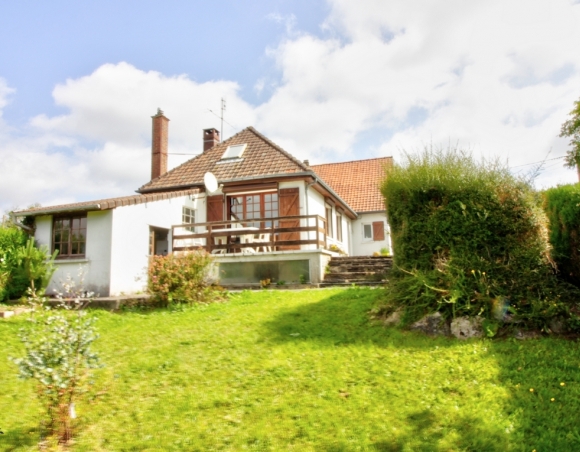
(130, 238)
(366, 247)
(95, 266)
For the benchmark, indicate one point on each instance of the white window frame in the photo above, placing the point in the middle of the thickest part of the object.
(185, 216)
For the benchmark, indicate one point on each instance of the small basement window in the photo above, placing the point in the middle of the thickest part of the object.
(234, 151)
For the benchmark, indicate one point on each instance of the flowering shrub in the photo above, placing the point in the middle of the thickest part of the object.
(180, 278)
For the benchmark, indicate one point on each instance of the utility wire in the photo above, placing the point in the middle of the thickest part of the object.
(535, 163)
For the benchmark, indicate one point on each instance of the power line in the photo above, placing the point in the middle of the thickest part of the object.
(535, 163)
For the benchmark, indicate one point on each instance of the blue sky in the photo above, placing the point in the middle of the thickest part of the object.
(330, 80)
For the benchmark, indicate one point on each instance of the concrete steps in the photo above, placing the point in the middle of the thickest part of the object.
(359, 270)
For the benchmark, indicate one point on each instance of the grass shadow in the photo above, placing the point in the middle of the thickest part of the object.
(342, 319)
(13, 439)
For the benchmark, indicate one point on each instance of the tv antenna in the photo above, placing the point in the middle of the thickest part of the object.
(222, 118)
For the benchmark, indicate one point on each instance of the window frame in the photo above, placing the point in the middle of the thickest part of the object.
(328, 214)
(263, 210)
(370, 226)
(70, 243)
(190, 215)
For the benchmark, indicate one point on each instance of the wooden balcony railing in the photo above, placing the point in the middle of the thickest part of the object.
(251, 236)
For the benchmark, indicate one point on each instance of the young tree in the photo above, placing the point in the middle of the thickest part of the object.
(571, 128)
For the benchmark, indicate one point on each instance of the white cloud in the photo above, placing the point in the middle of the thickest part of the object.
(497, 77)
(101, 147)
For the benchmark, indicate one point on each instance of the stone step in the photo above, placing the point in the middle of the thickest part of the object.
(354, 276)
(350, 283)
(358, 268)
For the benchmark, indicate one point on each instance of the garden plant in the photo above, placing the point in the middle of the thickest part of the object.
(181, 278)
(471, 239)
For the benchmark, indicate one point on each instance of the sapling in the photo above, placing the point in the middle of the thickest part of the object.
(58, 356)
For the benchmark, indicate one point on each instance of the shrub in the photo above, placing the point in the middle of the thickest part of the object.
(468, 239)
(180, 278)
(57, 355)
(13, 279)
(562, 204)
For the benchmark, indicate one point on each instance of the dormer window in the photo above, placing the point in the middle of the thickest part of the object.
(234, 152)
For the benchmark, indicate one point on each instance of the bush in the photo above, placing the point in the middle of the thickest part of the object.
(13, 279)
(469, 239)
(562, 204)
(180, 278)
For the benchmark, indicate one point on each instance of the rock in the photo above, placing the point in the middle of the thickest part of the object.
(394, 318)
(557, 326)
(467, 327)
(432, 324)
(523, 335)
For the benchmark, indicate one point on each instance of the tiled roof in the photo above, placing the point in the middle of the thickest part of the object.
(357, 182)
(105, 204)
(261, 158)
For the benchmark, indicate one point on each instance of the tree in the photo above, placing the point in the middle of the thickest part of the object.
(571, 128)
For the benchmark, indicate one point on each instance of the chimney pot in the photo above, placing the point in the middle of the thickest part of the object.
(307, 162)
(160, 138)
(211, 137)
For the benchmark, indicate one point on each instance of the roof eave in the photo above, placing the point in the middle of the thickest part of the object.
(57, 209)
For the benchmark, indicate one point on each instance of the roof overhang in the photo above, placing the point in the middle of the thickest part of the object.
(56, 209)
(309, 176)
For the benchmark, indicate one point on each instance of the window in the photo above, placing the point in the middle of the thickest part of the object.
(338, 227)
(367, 231)
(188, 217)
(329, 221)
(254, 205)
(234, 152)
(69, 236)
(374, 231)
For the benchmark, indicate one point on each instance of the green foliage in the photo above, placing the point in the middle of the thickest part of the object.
(180, 278)
(13, 280)
(571, 128)
(58, 356)
(33, 262)
(562, 204)
(306, 371)
(469, 237)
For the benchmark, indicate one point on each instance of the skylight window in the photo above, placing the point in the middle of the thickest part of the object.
(234, 152)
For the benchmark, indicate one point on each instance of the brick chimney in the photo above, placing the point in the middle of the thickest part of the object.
(159, 144)
(211, 137)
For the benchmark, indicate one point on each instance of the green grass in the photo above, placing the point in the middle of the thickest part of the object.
(305, 371)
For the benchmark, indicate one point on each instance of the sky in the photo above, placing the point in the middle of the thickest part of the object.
(329, 81)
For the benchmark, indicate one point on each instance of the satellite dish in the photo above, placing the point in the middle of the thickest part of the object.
(210, 182)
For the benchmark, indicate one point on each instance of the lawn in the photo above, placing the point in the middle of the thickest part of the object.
(304, 371)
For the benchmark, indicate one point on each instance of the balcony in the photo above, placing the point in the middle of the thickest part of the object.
(255, 236)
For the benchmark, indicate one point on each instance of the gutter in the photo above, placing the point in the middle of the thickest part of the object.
(20, 225)
(52, 210)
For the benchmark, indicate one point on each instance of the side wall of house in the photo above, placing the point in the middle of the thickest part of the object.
(317, 206)
(93, 269)
(130, 239)
(362, 246)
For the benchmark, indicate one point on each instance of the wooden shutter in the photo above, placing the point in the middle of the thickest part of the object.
(378, 231)
(289, 202)
(215, 208)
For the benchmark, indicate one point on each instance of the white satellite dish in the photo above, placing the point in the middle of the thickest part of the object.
(210, 182)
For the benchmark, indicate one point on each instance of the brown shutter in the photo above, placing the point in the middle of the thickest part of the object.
(378, 231)
(215, 208)
(289, 203)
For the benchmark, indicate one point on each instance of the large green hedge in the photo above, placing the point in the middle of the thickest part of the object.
(469, 239)
(562, 204)
(13, 279)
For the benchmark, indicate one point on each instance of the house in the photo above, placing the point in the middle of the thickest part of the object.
(265, 215)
